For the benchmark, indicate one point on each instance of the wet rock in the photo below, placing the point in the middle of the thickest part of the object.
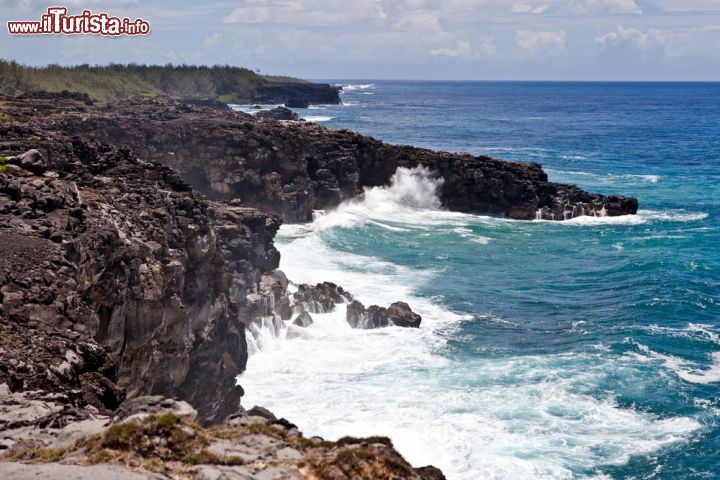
(401, 315)
(294, 331)
(398, 314)
(320, 298)
(303, 320)
(430, 473)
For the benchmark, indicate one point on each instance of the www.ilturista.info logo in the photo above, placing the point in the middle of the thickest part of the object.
(57, 22)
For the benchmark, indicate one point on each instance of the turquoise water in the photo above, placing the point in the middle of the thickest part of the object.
(582, 349)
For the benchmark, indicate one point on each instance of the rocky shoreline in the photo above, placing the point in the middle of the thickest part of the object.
(138, 254)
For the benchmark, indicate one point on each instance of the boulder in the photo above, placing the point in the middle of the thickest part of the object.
(303, 320)
(32, 161)
(277, 113)
(398, 314)
(401, 315)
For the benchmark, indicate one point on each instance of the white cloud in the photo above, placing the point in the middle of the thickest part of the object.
(306, 12)
(593, 7)
(642, 40)
(212, 40)
(532, 42)
(71, 4)
(533, 9)
(463, 48)
(423, 22)
(688, 5)
(668, 43)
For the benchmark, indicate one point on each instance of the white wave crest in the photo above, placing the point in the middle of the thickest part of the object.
(409, 202)
(353, 87)
(317, 118)
(642, 217)
(683, 368)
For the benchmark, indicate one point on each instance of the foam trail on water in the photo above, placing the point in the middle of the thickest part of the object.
(317, 118)
(511, 417)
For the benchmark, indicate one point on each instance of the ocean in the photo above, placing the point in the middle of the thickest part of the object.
(580, 349)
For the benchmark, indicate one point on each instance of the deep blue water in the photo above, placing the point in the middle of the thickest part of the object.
(583, 349)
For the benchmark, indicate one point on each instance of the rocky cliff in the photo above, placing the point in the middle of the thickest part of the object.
(119, 280)
(297, 95)
(122, 254)
(293, 168)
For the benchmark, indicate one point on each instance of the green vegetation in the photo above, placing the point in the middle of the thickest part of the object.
(38, 455)
(3, 163)
(223, 82)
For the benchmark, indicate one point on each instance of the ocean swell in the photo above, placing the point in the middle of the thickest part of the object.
(517, 416)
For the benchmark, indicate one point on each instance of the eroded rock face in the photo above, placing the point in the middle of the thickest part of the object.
(119, 279)
(398, 314)
(297, 95)
(295, 168)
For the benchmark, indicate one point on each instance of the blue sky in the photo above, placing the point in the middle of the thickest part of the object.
(407, 39)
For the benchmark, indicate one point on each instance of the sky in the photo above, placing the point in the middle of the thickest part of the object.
(400, 39)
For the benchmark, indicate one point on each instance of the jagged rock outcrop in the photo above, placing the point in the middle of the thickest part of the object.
(117, 278)
(320, 298)
(292, 169)
(398, 314)
(277, 113)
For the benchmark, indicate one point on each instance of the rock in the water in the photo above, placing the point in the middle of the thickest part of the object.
(294, 331)
(320, 298)
(398, 314)
(303, 320)
(401, 315)
(277, 113)
(430, 473)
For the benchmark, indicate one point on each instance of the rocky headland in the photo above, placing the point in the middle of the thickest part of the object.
(138, 255)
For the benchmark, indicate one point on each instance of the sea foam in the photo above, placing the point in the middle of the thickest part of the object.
(505, 418)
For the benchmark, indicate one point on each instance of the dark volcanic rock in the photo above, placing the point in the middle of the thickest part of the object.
(430, 473)
(292, 169)
(320, 298)
(303, 320)
(116, 276)
(296, 102)
(297, 95)
(277, 113)
(206, 102)
(398, 314)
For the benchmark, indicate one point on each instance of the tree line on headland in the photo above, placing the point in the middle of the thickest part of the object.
(225, 83)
